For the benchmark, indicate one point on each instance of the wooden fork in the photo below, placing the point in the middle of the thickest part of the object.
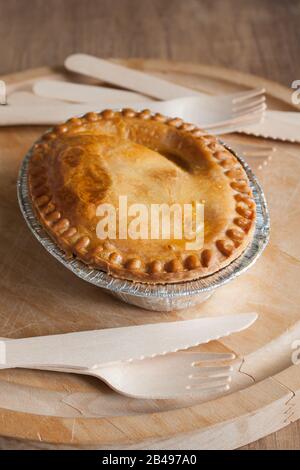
(166, 376)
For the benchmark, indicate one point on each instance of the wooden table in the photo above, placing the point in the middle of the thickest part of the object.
(257, 36)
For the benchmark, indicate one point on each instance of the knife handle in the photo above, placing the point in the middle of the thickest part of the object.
(48, 351)
(126, 77)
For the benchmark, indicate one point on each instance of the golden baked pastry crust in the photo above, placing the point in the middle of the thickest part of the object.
(151, 159)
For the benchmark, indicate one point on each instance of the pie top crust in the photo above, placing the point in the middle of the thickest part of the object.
(151, 159)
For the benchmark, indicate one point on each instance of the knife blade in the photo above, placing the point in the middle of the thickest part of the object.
(279, 125)
(93, 349)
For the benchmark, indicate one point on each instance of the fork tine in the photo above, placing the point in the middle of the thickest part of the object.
(247, 118)
(252, 116)
(228, 128)
(251, 109)
(213, 371)
(260, 108)
(198, 381)
(243, 107)
(204, 386)
(245, 95)
(208, 357)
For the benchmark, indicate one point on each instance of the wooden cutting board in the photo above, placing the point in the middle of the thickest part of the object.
(38, 297)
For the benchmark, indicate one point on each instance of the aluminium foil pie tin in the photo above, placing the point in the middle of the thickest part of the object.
(158, 297)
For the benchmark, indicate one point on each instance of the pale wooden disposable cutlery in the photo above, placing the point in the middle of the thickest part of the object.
(22, 99)
(136, 360)
(27, 98)
(169, 376)
(192, 109)
(92, 349)
(218, 113)
(124, 77)
(79, 93)
(141, 82)
(278, 125)
(214, 120)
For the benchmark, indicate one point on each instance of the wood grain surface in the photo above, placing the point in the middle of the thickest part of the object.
(257, 36)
